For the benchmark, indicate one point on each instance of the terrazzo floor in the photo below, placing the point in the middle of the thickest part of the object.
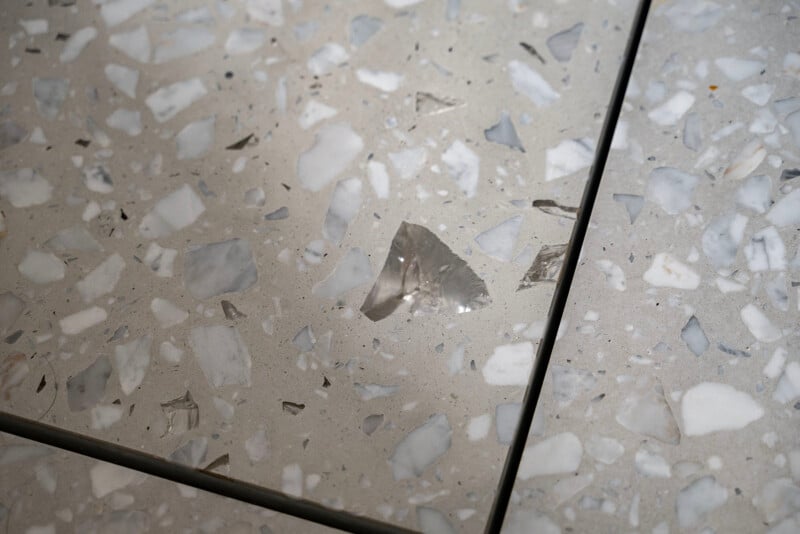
(671, 403)
(314, 246)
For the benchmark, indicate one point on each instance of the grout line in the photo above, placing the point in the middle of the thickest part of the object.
(559, 302)
(197, 478)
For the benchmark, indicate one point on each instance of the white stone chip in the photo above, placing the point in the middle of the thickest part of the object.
(421, 448)
(712, 407)
(170, 100)
(343, 208)
(24, 188)
(116, 12)
(384, 80)
(671, 111)
(352, 271)
(791, 64)
(671, 189)
(759, 324)
(96, 178)
(530, 83)
(478, 427)
(499, 241)
(785, 212)
(695, 338)
(506, 417)
(267, 11)
(693, 15)
(774, 366)
(174, 212)
(105, 416)
(103, 278)
(666, 271)
(463, 166)
(108, 478)
(559, 454)
(292, 480)
(313, 113)
(41, 267)
(196, 138)
(325, 59)
(698, 499)
(737, 69)
(244, 41)
(170, 353)
(160, 260)
(34, 26)
(651, 465)
(604, 450)
(167, 314)
(766, 251)
(76, 43)
(256, 445)
(788, 388)
(408, 162)
(568, 157)
(748, 159)
(126, 120)
(134, 43)
(778, 498)
(400, 4)
(509, 365)
(222, 355)
(378, 178)
(335, 147)
(758, 94)
(755, 193)
(614, 275)
(182, 42)
(132, 360)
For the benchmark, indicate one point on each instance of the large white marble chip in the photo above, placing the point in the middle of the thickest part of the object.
(174, 212)
(713, 407)
(335, 147)
(222, 355)
(218, 268)
(421, 448)
(558, 454)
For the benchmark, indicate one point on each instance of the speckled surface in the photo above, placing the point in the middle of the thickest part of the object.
(63, 492)
(671, 402)
(295, 142)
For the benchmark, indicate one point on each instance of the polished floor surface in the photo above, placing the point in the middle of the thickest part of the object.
(312, 246)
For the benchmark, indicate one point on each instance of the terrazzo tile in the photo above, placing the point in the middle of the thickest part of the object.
(49, 490)
(690, 420)
(208, 180)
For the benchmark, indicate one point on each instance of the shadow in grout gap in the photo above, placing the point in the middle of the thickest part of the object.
(497, 515)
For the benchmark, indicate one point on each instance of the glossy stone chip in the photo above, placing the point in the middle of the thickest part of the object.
(424, 272)
(545, 267)
(182, 414)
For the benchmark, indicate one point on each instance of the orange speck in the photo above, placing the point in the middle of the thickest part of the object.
(712, 87)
